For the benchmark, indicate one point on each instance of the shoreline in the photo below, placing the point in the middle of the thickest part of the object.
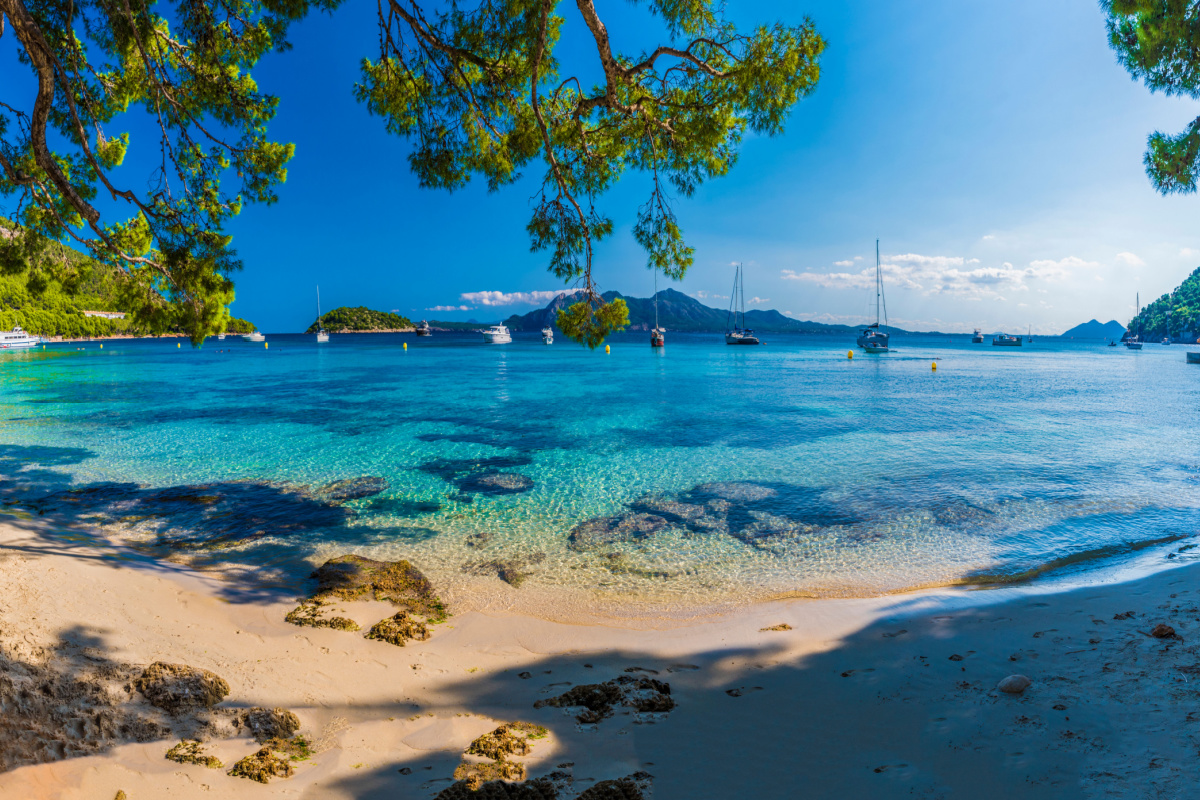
(877, 697)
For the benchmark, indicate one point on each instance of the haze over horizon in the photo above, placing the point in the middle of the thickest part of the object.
(995, 151)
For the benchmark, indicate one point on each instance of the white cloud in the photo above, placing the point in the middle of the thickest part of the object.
(843, 263)
(758, 301)
(510, 298)
(947, 275)
(702, 295)
(989, 238)
(450, 308)
(1188, 252)
(1130, 259)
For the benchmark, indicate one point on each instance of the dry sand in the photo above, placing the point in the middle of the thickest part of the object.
(880, 698)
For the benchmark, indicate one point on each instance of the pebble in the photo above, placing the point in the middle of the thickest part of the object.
(1162, 631)
(1014, 684)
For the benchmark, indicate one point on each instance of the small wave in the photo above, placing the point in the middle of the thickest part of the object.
(1008, 578)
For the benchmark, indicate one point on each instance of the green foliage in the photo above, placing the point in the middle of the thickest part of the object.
(236, 325)
(590, 321)
(481, 93)
(1158, 42)
(1173, 314)
(360, 319)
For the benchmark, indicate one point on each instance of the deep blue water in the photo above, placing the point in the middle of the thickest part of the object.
(698, 473)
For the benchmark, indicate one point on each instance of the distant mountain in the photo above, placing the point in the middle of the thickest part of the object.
(1178, 310)
(1094, 329)
(677, 312)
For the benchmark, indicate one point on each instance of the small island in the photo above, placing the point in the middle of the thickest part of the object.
(361, 320)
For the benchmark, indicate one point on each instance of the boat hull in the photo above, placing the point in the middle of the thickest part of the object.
(497, 338)
(1006, 343)
(424, 332)
(1134, 345)
(19, 345)
(874, 342)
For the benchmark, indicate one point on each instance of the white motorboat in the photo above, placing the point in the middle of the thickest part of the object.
(322, 334)
(737, 333)
(497, 334)
(977, 337)
(424, 330)
(1005, 340)
(547, 335)
(17, 339)
(253, 336)
(873, 339)
(220, 337)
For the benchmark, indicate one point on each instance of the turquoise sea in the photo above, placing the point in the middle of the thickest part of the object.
(697, 475)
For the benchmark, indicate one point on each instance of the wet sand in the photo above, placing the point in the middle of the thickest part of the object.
(872, 698)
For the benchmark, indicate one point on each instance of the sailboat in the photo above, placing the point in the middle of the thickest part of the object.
(738, 334)
(657, 339)
(322, 336)
(1170, 309)
(1136, 342)
(873, 340)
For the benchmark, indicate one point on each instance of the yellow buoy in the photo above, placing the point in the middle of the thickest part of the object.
(102, 345)
(406, 345)
(266, 345)
(935, 366)
(849, 354)
(177, 344)
(607, 349)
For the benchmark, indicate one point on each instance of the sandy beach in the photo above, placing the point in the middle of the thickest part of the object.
(886, 697)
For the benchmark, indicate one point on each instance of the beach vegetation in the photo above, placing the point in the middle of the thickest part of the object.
(1175, 314)
(1156, 41)
(192, 752)
(479, 90)
(262, 765)
(361, 318)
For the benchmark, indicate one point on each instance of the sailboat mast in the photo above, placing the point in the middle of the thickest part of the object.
(318, 306)
(878, 284)
(655, 299)
(742, 277)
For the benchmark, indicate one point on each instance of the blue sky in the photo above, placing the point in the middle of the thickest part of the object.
(995, 149)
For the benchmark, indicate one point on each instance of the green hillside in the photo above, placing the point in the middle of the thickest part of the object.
(361, 319)
(1181, 306)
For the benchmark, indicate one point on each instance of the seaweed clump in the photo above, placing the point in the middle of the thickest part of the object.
(537, 789)
(192, 752)
(475, 774)
(353, 577)
(399, 629)
(632, 787)
(599, 700)
(510, 739)
(176, 688)
(262, 766)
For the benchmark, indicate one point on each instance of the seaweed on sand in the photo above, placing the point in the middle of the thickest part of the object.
(176, 688)
(192, 752)
(510, 739)
(398, 629)
(537, 789)
(266, 724)
(261, 766)
(598, 700)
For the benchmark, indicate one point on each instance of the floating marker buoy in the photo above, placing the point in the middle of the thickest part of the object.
(406, 345)
(935, 366)
(266, 345)
(607, 349)
(102, 345)
(177, 344)
(850, 354)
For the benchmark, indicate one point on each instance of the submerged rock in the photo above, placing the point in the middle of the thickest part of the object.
(1014, 684)
(176, 688)
(737, 491)
(1163, 631)
(344, 491)
(475, 774)
(633, 787)
(399, 629)
(605, 531)
(496, 483)
(598, 699)
(512, 571)
(192, 752)
(262, 766)
(266, 724)
(536, 789)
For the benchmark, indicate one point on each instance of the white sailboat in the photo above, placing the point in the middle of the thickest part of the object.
(322, 336)
(874, 340)
(547, 335)
(738, 333)
(657, 335)
(1136, 342)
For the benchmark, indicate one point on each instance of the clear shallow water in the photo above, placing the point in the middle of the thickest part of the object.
(699, 475)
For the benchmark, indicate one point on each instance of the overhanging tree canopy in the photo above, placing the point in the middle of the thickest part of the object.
(1158, 42)
(477, 89)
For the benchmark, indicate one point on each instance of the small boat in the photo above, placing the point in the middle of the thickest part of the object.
(1004, 340)
(17, 339)
(1166, 340)
(1136, 342)
(253, 336)
(977, 338)
(497, 334)
(220, 337)
(1029, 335)
(322, 336)
(1193, 358)
(657, 337)
(873, 339)
(424, 330)
(737, 333)
(547, 335)
(1112, 343)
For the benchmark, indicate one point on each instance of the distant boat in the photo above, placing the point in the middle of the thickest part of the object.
(1029, 335)
(547, 335)
(977, 338)
(657, 339)
(1136, 342)
(1004, 340)
(874, 340)
(424, 330)
(220, 337)
(1111, 343)
(322, 336)
(497, 334)
(254, 336)
(736, 333)
(17, 339)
